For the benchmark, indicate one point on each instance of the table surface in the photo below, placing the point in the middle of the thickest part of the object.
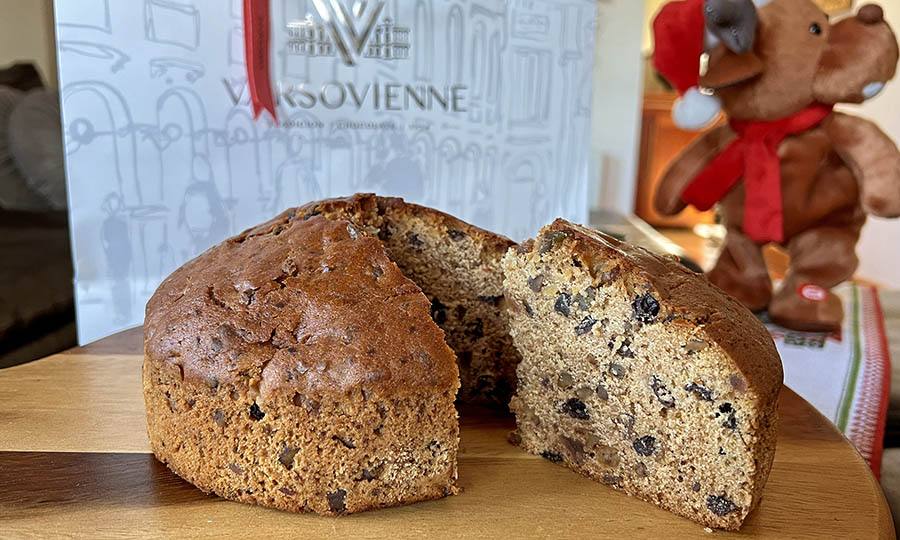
(74, 461)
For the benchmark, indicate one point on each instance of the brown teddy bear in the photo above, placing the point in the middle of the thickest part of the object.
(786, 168)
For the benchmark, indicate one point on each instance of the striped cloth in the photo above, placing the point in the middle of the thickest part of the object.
(846, 376)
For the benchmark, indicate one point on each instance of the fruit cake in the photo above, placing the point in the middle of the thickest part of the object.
(640, 374)
(457, 265)
(295, 366)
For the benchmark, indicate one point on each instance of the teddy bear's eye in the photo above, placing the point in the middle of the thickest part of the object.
(815, 29)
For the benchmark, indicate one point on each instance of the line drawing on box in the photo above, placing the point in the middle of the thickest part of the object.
(486, 71)
(116, 242)
(423, 41)
(159, 67)
(241, 133)
(455, 46)
(104, 111)
(394, 167)
(81, 132)
(295, 175)
(531, 74)
(86, 14)
(172, 23)
(236, 46)
(117, 59)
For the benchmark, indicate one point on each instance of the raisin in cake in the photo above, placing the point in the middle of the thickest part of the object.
(457, 265)
(642, 375)
(294, 366)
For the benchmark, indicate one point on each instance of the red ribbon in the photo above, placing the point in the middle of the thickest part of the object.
(256, 50)
(753, 156)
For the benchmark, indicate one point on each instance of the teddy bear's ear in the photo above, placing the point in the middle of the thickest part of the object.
(726, 68)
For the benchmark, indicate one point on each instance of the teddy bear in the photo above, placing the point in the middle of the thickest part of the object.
(785, 168)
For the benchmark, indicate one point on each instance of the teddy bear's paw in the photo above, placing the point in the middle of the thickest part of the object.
(880, 205)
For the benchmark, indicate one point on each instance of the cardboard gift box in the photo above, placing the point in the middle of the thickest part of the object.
(480, 108)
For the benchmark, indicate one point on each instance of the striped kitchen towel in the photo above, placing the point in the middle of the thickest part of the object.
(846, 376)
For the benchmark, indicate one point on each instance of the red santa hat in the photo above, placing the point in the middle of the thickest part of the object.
(679, 31)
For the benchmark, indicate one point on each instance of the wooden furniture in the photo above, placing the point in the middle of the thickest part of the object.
(74, 461)
(661, 141)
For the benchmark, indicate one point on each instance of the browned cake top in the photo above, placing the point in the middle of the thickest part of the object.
(684, 297)
(300, 303)
(371, 209)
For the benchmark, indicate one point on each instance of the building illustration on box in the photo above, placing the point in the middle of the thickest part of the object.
(478, 108)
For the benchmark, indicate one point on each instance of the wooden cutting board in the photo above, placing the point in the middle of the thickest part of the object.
(75, 462)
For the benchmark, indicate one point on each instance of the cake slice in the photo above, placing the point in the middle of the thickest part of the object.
(294, 366)
(457, 266)
(640, 374)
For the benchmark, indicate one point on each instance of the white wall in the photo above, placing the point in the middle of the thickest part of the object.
(618, 89)
(879, 248)
(26, 34)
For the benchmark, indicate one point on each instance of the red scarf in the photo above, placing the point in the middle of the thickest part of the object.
(753, 156)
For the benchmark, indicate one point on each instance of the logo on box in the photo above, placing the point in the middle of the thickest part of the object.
(352, 34)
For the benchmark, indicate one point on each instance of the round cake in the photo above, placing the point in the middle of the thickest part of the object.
(295, 366)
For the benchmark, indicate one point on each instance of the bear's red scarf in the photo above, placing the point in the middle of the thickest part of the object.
(753, 156)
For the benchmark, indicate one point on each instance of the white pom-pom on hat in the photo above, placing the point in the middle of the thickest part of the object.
(696, 110)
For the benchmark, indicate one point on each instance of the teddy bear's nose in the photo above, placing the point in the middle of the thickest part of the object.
(870, 14)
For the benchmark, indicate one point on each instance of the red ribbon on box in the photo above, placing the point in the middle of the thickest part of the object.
(257, 31)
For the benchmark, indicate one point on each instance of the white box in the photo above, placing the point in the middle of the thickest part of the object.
(478, 108)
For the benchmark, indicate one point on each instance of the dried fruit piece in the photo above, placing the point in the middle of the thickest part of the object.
(336, 501)
(585, 326)
(528, 310)
(662, 393)
(575, 408)
(575, 448)
(699, 390)
(617, 370)
(720, 506)
(286, 457)
(625, 349)
(601, 391)
(563, 304)
(731, 421)
(256, 413)
(566, 380)
(645, 446)
(613, 481)
(645, 308)
(551, 456)
(585, 299)
(455, 235)
(414, 240)
(550, 241)
(536, 283)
